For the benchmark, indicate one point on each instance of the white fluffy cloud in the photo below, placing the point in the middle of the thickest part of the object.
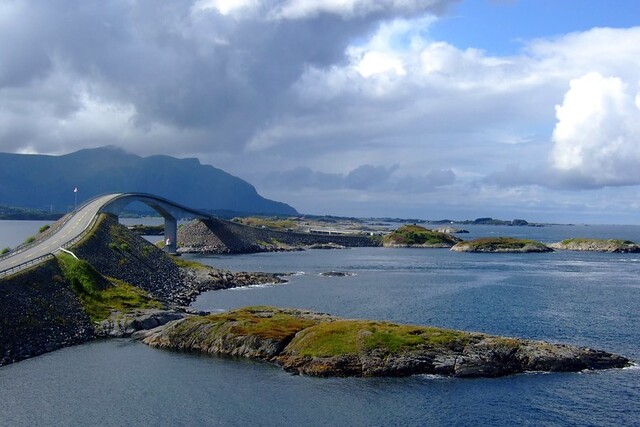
(597, 136)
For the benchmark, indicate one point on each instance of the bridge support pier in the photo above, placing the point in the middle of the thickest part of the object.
(170, 235)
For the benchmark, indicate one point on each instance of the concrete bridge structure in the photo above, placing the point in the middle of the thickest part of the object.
(170, 211)
(75, 224)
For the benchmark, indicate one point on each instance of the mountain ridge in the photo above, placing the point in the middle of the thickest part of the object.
(42, 181)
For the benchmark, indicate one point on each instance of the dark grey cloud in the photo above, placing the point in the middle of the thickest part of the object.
(364, 178)
(178, 67)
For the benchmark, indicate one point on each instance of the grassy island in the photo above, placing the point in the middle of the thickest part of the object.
(417, 236)
(501, 244)
(304, 342)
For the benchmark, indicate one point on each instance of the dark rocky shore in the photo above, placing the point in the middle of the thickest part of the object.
(317, 344)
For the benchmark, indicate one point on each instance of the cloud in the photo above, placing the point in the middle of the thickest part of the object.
(352, 97)
(365, 178)
(596, 139)
(300, 9)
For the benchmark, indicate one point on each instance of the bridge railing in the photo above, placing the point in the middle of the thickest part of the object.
(83, 233)
(25, 265)
(40, 259)
(38, 237)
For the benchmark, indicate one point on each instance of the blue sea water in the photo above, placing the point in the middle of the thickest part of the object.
(586, 299)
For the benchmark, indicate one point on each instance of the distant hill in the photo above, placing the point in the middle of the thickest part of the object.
(47, 182)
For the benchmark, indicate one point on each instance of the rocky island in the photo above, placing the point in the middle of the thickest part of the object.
(317, 344)
(597, 245)
(501, 244)
(416, 236)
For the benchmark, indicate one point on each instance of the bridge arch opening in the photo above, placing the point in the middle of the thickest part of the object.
(170, 211)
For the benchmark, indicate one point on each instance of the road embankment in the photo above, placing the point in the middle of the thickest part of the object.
(54, 304)
(225, 237)
(39, 313)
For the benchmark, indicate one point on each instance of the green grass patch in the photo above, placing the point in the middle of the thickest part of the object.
(44, 228)
(100, 296)
(351, 337)
(5, 251)
(30, 239)
(265, 322)
(187, 263)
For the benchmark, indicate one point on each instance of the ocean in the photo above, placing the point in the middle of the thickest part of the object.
(587, 299)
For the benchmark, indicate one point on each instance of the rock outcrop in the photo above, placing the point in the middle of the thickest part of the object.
(597, 245)
(120, 325)
(317, 344)
(204, 278)
(501, 244)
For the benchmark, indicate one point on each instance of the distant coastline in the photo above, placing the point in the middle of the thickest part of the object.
(25, 214)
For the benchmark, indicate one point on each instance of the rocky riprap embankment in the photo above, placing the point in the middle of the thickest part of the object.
(116, 252)
(316, 344)
(597, 245)
(225, 237)
(501, 245)
(39, 313)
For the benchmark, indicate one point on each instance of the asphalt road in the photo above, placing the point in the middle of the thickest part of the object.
(69, 231)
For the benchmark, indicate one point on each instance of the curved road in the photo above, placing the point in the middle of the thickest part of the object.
(69, 231)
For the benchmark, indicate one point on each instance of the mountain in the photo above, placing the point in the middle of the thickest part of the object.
(39, 181)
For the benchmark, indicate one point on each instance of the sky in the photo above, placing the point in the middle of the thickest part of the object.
(389, 108)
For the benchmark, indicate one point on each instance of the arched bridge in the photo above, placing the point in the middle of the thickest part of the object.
(75, 224)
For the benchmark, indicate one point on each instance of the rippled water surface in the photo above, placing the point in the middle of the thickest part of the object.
(580, 298)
